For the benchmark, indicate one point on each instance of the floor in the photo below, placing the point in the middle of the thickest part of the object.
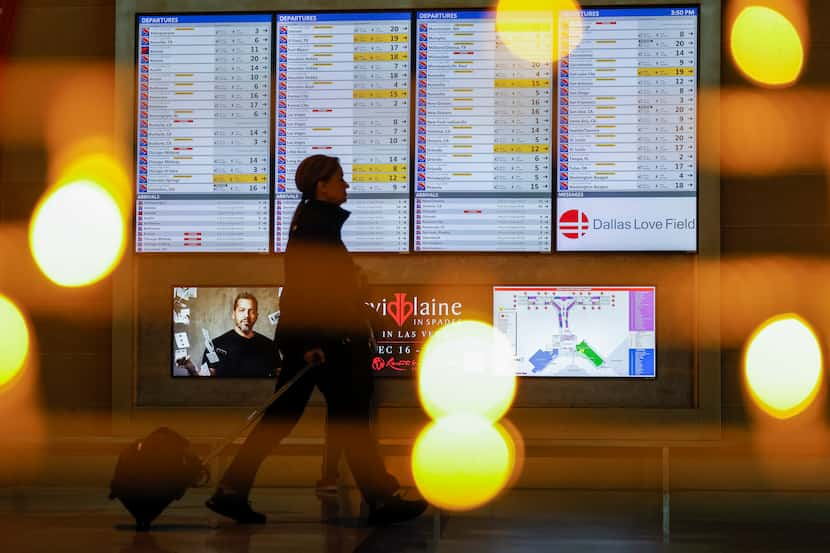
(82, 519)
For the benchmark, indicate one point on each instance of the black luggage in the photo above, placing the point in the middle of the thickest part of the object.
(156, 470)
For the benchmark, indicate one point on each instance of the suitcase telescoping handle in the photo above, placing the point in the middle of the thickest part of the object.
(257, 413)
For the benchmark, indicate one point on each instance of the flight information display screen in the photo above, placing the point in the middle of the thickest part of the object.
(483, 136)
(203, 117)
(343, 90)
(607, 121)
(627, 130)
(578, 331)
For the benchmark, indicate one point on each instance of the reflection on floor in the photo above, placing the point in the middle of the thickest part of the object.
(83, 520)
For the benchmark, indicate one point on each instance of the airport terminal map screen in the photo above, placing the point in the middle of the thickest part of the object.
(579, 331)
(450, 140)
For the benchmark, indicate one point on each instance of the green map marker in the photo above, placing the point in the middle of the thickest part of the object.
(583, 348)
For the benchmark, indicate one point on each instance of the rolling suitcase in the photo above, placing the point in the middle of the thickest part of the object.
(156, 470)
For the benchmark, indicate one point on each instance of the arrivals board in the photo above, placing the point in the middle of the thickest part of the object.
(627, 130)
(343, 90)
(483, 137)
(203, 153)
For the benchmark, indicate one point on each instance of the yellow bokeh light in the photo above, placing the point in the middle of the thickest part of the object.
(77, 234)
(529, 28)
(461, 462)
(91, 160)
(14, 340)
(766, 46)
(466, 368)
(783, 366)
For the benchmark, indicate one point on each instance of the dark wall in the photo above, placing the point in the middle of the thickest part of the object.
(57, 51)
(774, 212)
(773, 225)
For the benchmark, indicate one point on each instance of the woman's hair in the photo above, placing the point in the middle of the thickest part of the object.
(310, 171)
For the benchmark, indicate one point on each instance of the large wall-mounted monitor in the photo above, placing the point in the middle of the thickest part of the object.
(224, 332)
(404, 317)
(483, 138)
(202, 133)
(626, 94)
(343, 82)
(582, 332)
(228, 331)
(447, 130)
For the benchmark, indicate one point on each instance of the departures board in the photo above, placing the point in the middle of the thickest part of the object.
(203, 146)
(483, 137)
(343, 90)
(450, 139)
(627, 130)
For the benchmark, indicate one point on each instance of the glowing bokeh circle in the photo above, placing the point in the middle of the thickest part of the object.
(77, 234)
(461, 462)
(529, 28)
(466, 368)
(14, 340)
(783, 366)
(766, 46)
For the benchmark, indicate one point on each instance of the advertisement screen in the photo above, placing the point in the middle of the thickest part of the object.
(404, 318)
(225, 332)
(229, 331)
(579, 331)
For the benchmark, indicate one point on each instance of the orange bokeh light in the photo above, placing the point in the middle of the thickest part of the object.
(766, 46)
(531, 28)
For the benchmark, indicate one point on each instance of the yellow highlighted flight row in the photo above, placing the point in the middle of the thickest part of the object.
(395, 37)
(380, 177)
(666, 72)
(522, 83)
(366, 37)
(225, 178)
(378, 168)
(520, 148)
(381, 93)
(381, 56)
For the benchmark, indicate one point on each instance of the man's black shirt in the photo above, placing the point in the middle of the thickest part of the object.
(243, 357)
